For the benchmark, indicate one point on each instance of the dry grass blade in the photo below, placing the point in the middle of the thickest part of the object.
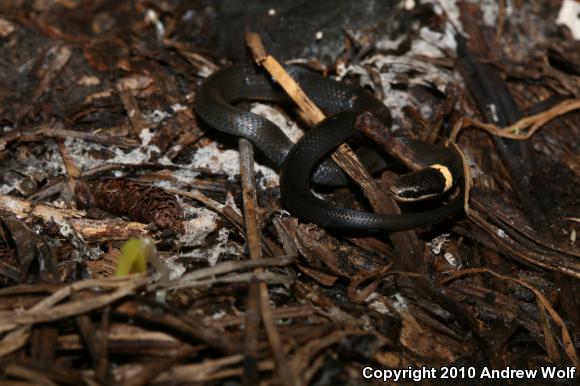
(531, 124)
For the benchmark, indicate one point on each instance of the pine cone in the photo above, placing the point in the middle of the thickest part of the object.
(139, 202)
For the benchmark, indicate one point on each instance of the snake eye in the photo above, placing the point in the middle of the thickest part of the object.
(422, 184)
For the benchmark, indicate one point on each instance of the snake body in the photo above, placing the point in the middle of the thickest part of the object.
(304, 156)
(216, 99)
(301, 163)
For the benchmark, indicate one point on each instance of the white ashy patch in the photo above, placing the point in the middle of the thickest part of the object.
(394, 99)
(88, 80)
(372, 297)
(201, 223)
(218, 314)
(289, 128)
(175, 149)
(6, 189)
(400, 304)
(223, 247)
(146, 135)
(180, 177)
(188, 15)
(380, 307)
(59, 204)
(501, 233)
(438, 243)
(178, 107)
(204, 71)
(80, 151)
(232, 203)
(452, 260)
(392, 68)
(402, 69)
(175, 269)
(434, 44)
(156, 116)
(219, 161)
(569, 16)
(426, 109)
(228, 162)
(65, 229)
(136, 156)
(36, 168)
(386, 43)
(490, 11)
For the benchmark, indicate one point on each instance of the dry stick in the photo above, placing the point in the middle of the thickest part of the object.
(55, 130)
(103, 367)
(188, 329)
(152, 371)
(285, 375)
(72, 173)
(210, 369)
(72, 170)
(134, 113)
(249, 199)
(405, 242)
(500, 22)
(251, 330)
(88, 229)
(36, 377)
(92, 344)
(549, 338)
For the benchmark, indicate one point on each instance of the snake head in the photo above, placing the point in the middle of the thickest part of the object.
(422, 184)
